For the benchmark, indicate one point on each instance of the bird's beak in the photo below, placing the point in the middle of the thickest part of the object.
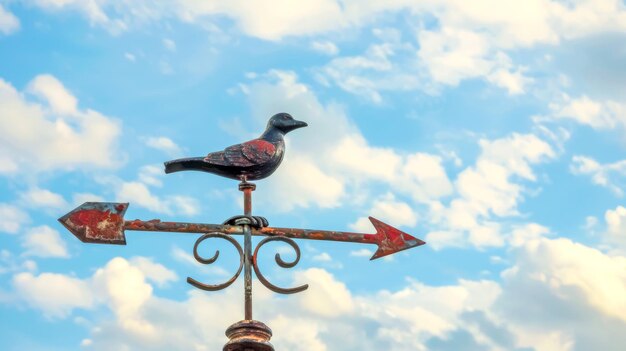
(294, 125)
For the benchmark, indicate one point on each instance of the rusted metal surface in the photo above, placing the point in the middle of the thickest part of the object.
(248, 335)
(280, 262)
(102, 222)
(252, 160)
(389, 239)
(247, 189)
(215, 287)
(97, 222)
(156, 225)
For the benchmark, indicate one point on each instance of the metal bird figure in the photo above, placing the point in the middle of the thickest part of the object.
(252, 160)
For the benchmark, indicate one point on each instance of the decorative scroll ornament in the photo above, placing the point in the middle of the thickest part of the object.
(280, 262)
(211, 260)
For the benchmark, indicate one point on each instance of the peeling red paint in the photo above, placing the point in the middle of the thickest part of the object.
(104, 223)
(97, 222)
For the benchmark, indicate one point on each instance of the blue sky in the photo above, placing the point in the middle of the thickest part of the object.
(494, 130)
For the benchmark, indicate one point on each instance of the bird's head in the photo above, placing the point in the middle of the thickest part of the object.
(285, 123)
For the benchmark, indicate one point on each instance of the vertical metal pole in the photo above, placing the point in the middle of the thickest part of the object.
(247, 189)
(248, 334)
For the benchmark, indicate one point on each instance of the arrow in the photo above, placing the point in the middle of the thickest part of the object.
(103, 222)
(97, 222)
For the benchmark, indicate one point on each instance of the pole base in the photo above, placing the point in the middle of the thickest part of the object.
(248, 335)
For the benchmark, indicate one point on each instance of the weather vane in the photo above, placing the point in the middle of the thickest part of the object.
(103, 222)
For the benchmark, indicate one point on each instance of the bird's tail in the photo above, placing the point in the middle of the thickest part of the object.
(184, 164)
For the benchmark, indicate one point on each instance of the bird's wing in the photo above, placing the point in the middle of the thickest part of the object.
(248, 154)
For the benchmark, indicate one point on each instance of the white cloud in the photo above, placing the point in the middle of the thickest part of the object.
(10, 263)
(43, 198)
(423, 176)
(91, 9)
(270, 20)
(596, 114)
(154, 272)
(138, 192)
(169, 44)
(56, 295)
(558, 283)
(509, 24)
(12, 218)
(608, 175)
(140, 195)
(150, 175)
(185, 205)
(616, 228)
(389, 210)
(322, 257)
(382, 67)
(43, 241)
(333, 156)
(467, 42)
(488, 188)
(362, 253)
(554, 292)
(52, 91)
(164, 144)
(80, 198)
(55, 134)
(8, 22)
(325, 47)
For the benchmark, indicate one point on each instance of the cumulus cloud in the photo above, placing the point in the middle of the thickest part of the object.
(121, 284)
(616, 228)
(325, 47)
(53, 133)
(8, 22)
(154, 272)
(80, 198)
(12, 218)
(489, 188)
(140, 193)
(164, 144)
(43, 198)
(333, 155)
(608, 175)
(467, 42)
(43, 241)
(555, 295)
(509, 23)
(93, 11)
(56, 295)
(558, 283)
(596, 114)
(390, 210)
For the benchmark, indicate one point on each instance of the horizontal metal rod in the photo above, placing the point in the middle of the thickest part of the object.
(156, 225)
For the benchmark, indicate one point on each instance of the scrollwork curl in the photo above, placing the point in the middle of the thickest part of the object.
(280, 262)
(196, 255)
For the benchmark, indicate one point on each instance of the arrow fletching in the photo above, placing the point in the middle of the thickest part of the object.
(97, 222)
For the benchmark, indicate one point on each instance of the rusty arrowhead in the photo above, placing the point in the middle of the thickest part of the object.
(97, 222)
(391, 240)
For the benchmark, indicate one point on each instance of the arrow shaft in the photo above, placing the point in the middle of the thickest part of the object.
(156, 225)
(293, 233)
(313, 234)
